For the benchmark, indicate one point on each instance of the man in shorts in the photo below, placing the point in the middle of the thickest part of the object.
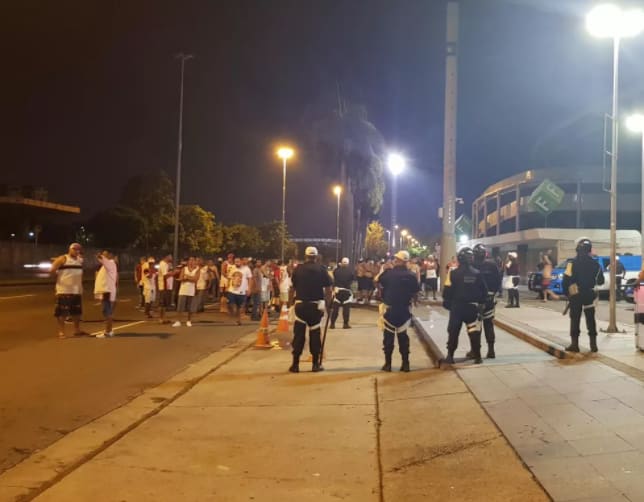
(105, 289)
(166, 284)
(68, 270)
(238, 281)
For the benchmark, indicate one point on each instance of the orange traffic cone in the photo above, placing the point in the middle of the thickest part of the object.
(263, 341)
(282, 325)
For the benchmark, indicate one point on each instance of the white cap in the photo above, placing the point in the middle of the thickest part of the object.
(311, 251)
(402, 255)
(345, 261)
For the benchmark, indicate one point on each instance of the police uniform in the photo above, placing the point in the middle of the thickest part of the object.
(309, 282)
(343, 296)
(464, 295)
(492, 280)
(580, 278)
(399, 287)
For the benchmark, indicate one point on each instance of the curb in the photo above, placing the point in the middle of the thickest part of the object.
(551, 347)
(431, 349)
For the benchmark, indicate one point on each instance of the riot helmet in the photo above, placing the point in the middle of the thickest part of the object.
(465, 255)
(480, 253)
(584, 246)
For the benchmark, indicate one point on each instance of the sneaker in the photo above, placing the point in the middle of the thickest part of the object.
(100, 335)
(176, 324)
(109, 334)
(189, 324)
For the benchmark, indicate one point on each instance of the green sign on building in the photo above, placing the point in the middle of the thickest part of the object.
(546, 198)
(463, 225)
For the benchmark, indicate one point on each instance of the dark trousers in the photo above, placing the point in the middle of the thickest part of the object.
(396, 316)
(577, 303)
(346, 307)
(459, 314)
(488, 320)
(311, 315)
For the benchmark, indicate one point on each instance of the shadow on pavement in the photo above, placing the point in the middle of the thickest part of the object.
(163, 336)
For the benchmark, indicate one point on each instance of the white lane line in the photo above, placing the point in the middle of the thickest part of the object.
(117, 327)
(11, 297)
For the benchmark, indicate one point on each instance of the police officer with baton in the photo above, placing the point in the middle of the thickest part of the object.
(580, 278)
(311, 291)
(343, 296)
(464, 295)
(399, 288)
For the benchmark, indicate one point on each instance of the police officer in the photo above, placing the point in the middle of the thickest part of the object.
(580, 278)
(343, 296)
(464, 295)
(399, 288)
(492, 280)
(311, 284)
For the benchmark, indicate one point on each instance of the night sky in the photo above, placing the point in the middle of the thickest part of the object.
(90, 97)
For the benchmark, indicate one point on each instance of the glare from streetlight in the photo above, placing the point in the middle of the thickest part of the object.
(396, 163)
(404, 233)
(635, 122)
(609, 21)
(337, 190)
(285, 152)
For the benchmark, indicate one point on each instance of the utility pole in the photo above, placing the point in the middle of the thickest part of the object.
(448, 244)
(175, 250)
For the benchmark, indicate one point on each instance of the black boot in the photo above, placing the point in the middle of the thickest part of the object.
(490, 351)
(346, 326)
(477, 357)
(295, 367)
(574, 344)
(405, 364)
(510, 302)
(332, 325)
(593, 343)
(450, 357)
(387, 365)
(516, 298)
(317, 363)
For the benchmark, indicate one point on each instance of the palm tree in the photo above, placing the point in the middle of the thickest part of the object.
(351, 149)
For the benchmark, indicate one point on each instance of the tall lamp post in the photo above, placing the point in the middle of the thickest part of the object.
(337, 190)
(609, 21)
(396, 165)
(635, 123)
(284, 153)
(175, 249)
(403, 234)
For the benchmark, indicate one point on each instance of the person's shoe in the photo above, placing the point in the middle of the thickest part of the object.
(176, 324)
(405, 366)
(109, 334)
(100, 335)
(189, 324)
(573, 347)
(346, 326)
(295, 368)
(490, 352)
(470, 355)
(593, 344)
(509, 306)
(317, 367)
(331, 326)
(449, 359)
(386, 367)
(477, 359)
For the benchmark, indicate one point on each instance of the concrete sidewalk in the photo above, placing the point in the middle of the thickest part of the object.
(577, 423)
(252, 431)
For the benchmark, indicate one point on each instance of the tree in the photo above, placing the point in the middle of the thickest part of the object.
(375, 243)
(243, 240)
(152, 196)
(353, 148)
(271, 235)
(197, 230)
(119, 227)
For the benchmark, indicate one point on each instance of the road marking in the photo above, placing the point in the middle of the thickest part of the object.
(117, 327)
(11, 297)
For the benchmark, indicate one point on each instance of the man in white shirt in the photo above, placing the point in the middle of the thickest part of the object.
(68, 270)
(105, 289)
(166, 283)
(238, 277)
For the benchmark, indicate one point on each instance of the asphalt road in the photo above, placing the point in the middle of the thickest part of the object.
(51, 386)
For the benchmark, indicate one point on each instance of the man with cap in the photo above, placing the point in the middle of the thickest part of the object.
(311, 288)
(68, 270)
(399, 288)
(464, 295)
(582, 274)
(343, 296)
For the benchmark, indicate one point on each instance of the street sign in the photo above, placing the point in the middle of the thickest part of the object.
(463, 225)
(546, 198)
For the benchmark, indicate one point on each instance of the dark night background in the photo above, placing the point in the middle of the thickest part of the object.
(90, 96)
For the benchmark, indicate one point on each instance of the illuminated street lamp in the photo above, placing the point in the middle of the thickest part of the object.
(403, 234)
(337, 190)
(635, 123)
(284, 153)
(609, 21)
(396, 165)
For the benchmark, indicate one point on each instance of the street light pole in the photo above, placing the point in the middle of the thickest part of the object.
(284, 153)
(396, 165)
(337, 190)
(609, 21)
(177, 198)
